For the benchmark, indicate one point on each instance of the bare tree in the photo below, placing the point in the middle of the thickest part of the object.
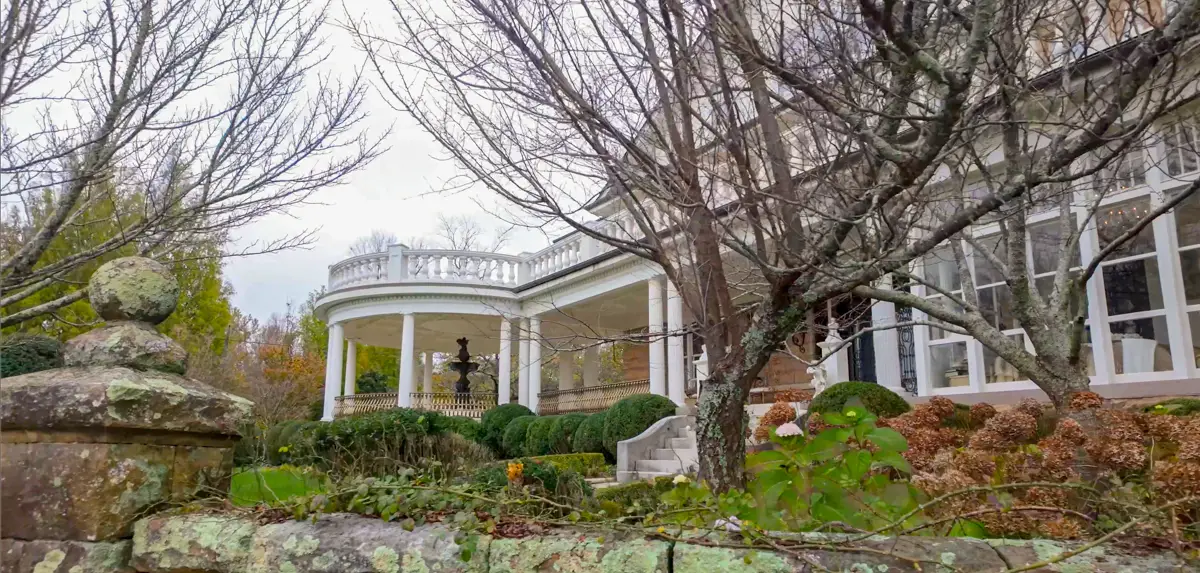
(466, 233)
(377, 242)
(772, 155)
(166, 120)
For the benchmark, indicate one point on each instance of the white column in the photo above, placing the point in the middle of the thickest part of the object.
(504, 362)
(427, 379)
(676, 373)
(591, 366)
(351, 367)
(523, 363)
(333, 370)
(535, 362)
(566, 370)
(886, 342)
(658, 350)
(406, 361)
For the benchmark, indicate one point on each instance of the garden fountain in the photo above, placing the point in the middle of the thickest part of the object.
(464, 366)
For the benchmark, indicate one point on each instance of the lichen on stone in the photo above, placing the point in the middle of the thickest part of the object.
(385, 560)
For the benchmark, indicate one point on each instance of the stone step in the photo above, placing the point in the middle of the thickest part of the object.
(663, 466)
(682, 443)
(604, 484)
(686, 456)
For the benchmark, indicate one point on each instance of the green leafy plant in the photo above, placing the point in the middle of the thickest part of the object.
(515, 435)
(563, 430)
(371, 383)
(638, 498)
(541, 477)
(494, 422)
(463, 426)
(875, 398)
(539, 439)
(1175, 407)
(847, 474)
(589, 437)
(631, 416)
(27, 353)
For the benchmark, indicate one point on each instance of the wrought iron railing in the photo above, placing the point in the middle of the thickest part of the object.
(471, 405)
(589, 398)
(449, 403)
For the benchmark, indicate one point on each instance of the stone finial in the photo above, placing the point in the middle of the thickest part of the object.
(134, 294)
(133, 288)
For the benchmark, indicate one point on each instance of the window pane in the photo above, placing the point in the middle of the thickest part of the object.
(1133, 286)
(985, 271)
(1045, 242)
(1114, 220)
(1194, 323)
(995, 303)
(1141, 345)
(1045, 287)
(1189, 265)
(937, 333)
(1125, 172)
(1187, 220)
(948, 365)
(1181, 149)
(996, 369)
(941, 269)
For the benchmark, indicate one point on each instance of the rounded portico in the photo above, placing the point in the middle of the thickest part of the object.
(524, 309)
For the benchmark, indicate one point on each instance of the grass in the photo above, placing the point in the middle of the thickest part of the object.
(251, 486)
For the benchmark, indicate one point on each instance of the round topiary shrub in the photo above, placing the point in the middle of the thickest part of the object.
(589, 436)
(631, 416)
(563, 430)
(875, 398)
(513, 442)
(26, 353)
(466, 427)
(538, 437)
(494, 422)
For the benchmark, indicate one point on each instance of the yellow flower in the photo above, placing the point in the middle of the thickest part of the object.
(851, 414)
(681, 479)
(515, 471)
(283, 449)
(662, 530)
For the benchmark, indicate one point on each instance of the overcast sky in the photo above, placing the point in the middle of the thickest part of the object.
(397, 193)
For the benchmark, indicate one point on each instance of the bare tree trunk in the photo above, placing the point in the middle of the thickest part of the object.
(720, 435)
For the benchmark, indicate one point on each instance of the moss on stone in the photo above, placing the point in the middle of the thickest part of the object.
(385, 560)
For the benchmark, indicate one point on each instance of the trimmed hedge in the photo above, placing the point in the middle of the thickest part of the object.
(538, 437)
(589, 436)
(513, 442)
(638, 498)
(875, 398)
(631, 416)
(563, 431)
(463, 426)
(495, 421)
(586, 465)
(26, 353)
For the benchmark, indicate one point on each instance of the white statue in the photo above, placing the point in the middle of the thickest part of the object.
(819, 381)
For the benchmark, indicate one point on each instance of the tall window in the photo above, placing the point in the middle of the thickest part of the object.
(947, 350)
(1180, 142)
(995, 304)
(1133, 288)
(1126, 171)
(1187, 231)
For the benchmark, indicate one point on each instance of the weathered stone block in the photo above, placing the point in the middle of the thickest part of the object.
(1102, 559)
(88, 492)
(134, 344)
(118, 398)
(201, 472)
(895, 555)
(17, 556)
(192, 544)
(353, 543)
(579, 553)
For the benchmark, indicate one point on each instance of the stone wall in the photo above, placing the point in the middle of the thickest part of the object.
(346, 543)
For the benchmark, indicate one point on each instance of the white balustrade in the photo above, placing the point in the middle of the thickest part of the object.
(463, 267)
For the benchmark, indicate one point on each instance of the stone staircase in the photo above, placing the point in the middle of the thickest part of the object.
(666, 449)
(599, 483)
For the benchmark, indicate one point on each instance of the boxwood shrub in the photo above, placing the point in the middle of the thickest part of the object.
(563, 430)
(631, 416)
(589, 436)
(513, 442)
(875, 398)
(25, 353)
(463, 426)
(1176, 407)
(538, 439)
(495, 421)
